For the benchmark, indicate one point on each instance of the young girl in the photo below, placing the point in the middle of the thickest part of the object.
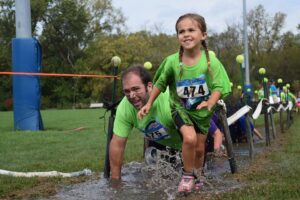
(196, 81)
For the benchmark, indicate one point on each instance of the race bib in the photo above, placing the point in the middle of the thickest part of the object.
(155, 131)
(192, 91)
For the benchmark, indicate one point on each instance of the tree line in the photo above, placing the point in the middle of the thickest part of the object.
(81, 36)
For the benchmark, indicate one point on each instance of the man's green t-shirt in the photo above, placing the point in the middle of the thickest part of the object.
(189, 85)
(157, 125)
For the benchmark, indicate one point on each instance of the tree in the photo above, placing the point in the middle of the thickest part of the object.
(133, 48)
(68, 28)
(7, 32)
(264, 31)
(227, 45)
(81, 36)
(265, 38)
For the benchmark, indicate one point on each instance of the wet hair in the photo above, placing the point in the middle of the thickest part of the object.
(202, 25)
(140, 71)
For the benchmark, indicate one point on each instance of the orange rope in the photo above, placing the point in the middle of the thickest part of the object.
(54, 74)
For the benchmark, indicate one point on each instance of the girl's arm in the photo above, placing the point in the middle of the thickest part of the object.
(214, 97)
(145, 109)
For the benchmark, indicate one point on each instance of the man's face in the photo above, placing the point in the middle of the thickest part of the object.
(135, 91)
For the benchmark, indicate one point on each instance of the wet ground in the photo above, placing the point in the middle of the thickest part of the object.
(158, 179)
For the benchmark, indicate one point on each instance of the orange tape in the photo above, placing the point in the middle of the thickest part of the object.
(54, 74)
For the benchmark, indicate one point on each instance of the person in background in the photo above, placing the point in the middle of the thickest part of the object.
(215, 132)
(287, 96)
(243, 125)
(261, 93)
(298, 102)
(274, 92)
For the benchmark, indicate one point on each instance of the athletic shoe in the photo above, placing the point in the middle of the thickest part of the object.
(186, 184)
(198, 184)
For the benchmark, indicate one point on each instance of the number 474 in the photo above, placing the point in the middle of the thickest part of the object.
(191, 91)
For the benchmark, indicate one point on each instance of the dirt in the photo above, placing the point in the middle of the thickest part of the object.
(43, 187)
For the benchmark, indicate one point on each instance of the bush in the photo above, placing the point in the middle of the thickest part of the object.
(8, 104)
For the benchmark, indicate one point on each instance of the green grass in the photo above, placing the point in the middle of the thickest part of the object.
(260, 121)
(59, 147)
(275, 175)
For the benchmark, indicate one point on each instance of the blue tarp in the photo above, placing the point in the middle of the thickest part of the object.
(26, 57)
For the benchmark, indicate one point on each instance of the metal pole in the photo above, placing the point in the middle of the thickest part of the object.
(272, 124)
(106, 170)
(228, 141)
(246, 54)
(26, 57)
(266, 115)
(249, 136)
(242, 77)
(281, 121)
(23, 19)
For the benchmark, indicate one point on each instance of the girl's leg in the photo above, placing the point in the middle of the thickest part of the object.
(188, 147)
(187, 182)
(199, 155)
(199, 160)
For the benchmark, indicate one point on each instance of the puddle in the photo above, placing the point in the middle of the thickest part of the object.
(155, 179)
(135, 184)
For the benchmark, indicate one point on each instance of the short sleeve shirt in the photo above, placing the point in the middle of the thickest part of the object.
(190, 85)
(156, 126)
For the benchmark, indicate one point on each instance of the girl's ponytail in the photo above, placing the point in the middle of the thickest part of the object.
(207, 56)
(180, 61)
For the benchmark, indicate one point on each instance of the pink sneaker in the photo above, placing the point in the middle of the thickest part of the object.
(186, 184)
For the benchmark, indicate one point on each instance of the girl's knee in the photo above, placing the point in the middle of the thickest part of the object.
(190, 139)
(188, 135)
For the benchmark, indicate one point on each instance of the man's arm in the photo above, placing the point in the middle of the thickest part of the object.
(116, 155)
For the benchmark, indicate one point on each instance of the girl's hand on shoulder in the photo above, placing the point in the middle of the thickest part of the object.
(205, 104)
(143, 111)
(209, 104)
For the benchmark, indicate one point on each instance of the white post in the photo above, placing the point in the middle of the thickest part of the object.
(23, 19)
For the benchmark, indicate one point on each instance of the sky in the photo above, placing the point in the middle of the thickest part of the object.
(144, 14)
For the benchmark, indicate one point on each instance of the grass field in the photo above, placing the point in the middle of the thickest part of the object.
(276, 173)
(76, 139)
(72, 140)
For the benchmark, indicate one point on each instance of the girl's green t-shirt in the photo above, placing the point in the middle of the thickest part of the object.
(192, 84)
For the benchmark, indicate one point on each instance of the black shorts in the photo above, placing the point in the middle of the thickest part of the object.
(180, 122)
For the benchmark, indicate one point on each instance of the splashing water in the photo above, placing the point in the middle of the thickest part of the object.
(156, 178)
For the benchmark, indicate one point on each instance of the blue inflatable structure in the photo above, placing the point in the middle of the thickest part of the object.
(26, 57)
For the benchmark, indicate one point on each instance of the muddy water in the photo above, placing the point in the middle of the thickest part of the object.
(157, 179)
